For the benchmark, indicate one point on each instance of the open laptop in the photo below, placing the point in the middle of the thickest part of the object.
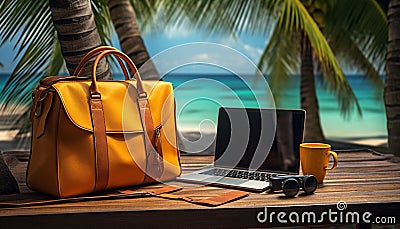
(252, 145)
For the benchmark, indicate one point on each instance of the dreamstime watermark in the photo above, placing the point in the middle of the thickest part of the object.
(194, 101)
(338, 215)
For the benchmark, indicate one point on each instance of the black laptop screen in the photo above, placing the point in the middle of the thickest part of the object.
(259, 139)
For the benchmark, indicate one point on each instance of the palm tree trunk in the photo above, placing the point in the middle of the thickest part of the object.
(126, 25)
(308, 95)
(392, 87)
(77, 34)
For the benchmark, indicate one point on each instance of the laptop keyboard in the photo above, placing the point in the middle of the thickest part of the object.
(261, 176)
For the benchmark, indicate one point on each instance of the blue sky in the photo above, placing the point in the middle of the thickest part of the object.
(249, 45)
(157, 41)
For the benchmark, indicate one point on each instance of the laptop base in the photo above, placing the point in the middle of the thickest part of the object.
(249, 185)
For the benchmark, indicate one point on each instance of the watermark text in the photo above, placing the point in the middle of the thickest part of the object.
(339, 215)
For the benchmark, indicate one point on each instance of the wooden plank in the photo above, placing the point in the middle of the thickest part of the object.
(181, 218)
(153, 203)
(254, 199)
(362, 178)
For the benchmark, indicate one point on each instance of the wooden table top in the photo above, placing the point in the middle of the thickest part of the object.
(364, 180)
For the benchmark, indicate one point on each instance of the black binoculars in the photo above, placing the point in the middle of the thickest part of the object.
(291, 184)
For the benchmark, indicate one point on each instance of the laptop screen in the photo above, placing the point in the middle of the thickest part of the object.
(259, 139)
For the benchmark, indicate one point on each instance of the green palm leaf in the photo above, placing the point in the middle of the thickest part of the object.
(29, 25)
(351, 33)
(223, 16)
(33, 45)
(294, 16)
(343, 17)
(351, 55)
(279, 60)
(146, 11)
(366, 22)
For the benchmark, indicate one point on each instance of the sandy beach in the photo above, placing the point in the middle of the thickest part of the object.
(197, 113)
(9, 138)
(191, 141)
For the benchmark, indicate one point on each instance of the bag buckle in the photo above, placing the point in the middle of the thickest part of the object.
(95, 96)
(42, 96)
(142, 95)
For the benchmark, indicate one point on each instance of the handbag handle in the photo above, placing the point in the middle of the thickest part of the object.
(94, 90)
(94, 53)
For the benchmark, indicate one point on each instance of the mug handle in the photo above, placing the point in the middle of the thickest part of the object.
(335, 160)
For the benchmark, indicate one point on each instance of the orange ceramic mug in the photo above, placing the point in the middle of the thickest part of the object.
(314, 159)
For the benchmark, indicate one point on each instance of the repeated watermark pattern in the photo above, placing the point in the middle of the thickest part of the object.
(207, 93)
(340, 215)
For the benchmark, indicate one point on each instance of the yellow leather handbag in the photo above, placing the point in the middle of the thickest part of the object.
(91, 135)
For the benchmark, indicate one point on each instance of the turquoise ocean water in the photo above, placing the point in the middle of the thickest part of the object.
(198, 98)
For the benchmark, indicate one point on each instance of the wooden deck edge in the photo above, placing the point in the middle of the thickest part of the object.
(184, 218)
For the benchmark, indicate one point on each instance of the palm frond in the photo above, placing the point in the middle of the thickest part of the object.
(146, 11)
(294, 17)
(103, 20)
(351, 56)
(56, 63)
(28, 24)
(223, 16)
(104, 26)
(366, 23)
(279, 60)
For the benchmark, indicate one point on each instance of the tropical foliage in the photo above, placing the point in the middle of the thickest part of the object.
(337, 30)
(38, 54)
(29, 25)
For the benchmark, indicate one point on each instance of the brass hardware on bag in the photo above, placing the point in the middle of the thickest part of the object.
(157, 146)
(79, 143)
(157, 135)
(157, 131)
(142, 95)
(95, 96)
(38, 110)
(39, 107)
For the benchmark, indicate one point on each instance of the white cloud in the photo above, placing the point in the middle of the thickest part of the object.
(176, 32)
(253, 53)
(211, 54)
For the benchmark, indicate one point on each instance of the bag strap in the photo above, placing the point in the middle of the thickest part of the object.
(100, 143)
(46, 82)
(95, 52)
(128, 61)
(37, 98)
(154, 159)
(98, 120)
(154, 163)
